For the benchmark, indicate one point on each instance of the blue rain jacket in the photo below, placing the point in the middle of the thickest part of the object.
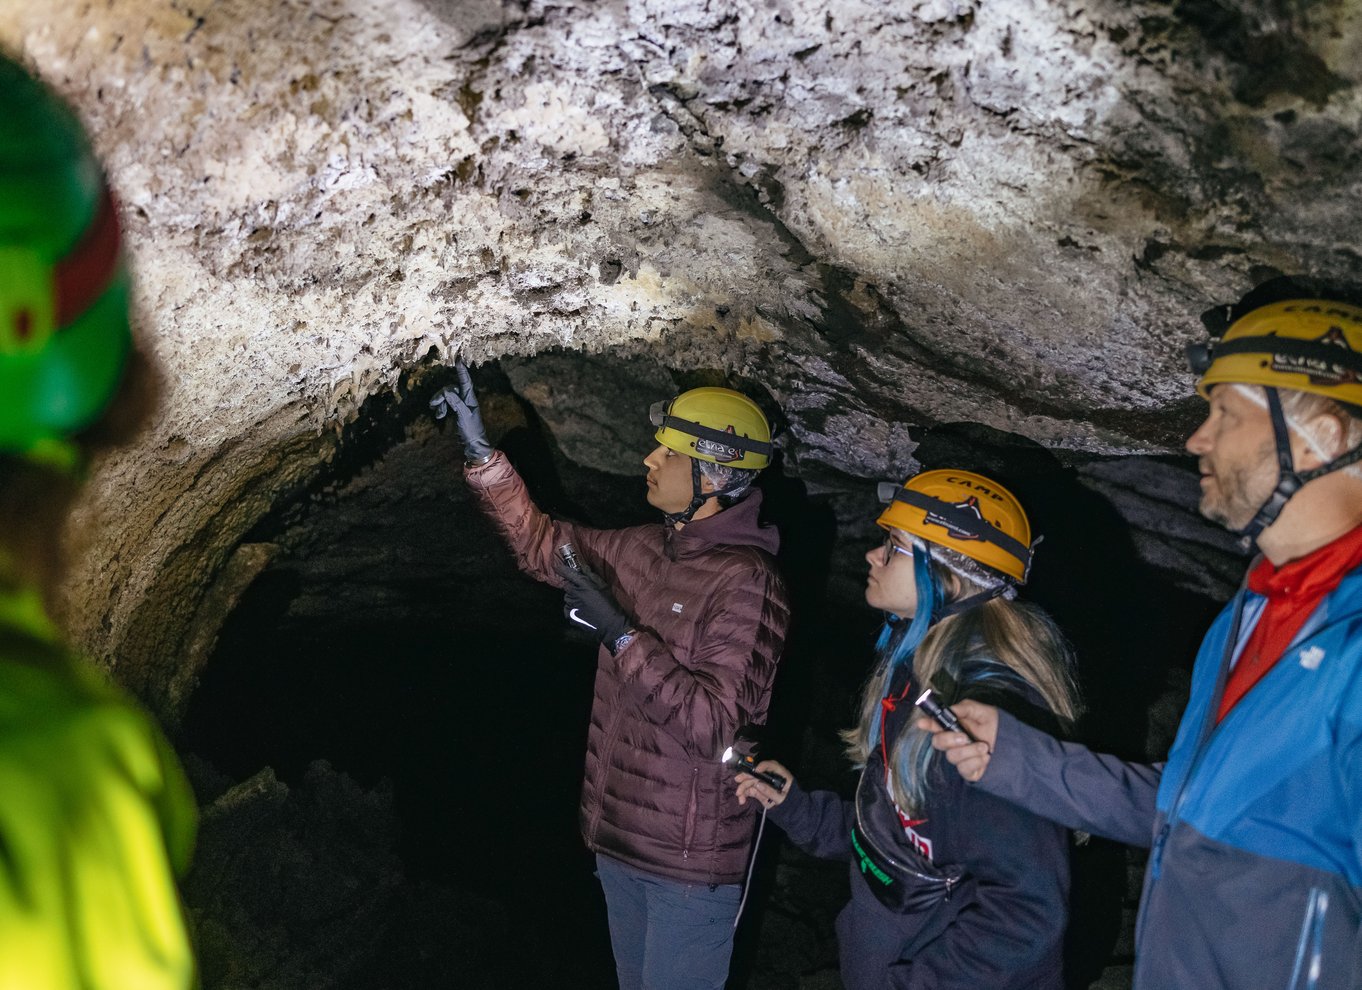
(1254, 879)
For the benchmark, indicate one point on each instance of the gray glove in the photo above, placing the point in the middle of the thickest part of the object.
(462, 401)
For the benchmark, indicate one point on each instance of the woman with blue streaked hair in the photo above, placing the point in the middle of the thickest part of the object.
(951, 888)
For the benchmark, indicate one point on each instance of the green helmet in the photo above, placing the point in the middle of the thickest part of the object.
(64, 333)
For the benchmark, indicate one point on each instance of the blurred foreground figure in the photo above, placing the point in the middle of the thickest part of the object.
(1255, 822)
(95, 815)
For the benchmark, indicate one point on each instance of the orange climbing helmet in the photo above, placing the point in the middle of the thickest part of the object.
(965, 512)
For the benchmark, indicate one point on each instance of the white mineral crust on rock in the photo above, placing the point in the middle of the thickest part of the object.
(1007, 212)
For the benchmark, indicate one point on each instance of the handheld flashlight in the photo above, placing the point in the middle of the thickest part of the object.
(569, 554)
(929, 704)
(747, 763)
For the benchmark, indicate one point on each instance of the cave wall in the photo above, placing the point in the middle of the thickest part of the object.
(892, 216)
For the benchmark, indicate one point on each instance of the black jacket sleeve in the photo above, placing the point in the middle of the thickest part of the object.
(818, 822)
(1072, 785)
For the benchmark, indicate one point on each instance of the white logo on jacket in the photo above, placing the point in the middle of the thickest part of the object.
(919, 842)
(1311, 657)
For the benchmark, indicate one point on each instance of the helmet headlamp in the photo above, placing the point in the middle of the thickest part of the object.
(965, 512)
(1199, 357)
(657, 412)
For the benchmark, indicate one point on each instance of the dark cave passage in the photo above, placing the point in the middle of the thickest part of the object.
(393, 638)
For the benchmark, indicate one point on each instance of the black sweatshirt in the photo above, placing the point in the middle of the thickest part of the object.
(1003, 932)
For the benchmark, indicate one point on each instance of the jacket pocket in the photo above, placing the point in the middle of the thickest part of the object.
(1310, 946)
(692, 807)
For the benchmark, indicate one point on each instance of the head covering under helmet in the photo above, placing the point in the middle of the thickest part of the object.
(1307, 344)
(717, 425)
(64, 333)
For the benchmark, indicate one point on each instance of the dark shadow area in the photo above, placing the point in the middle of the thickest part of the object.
(395, 639)
(808, 528)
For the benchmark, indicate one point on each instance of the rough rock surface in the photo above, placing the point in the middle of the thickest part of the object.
(892, 215)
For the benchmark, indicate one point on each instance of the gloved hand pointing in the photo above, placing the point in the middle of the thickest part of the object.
(462, 401)
(588, 603)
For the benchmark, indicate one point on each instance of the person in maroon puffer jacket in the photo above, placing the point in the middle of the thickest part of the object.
(692, 616)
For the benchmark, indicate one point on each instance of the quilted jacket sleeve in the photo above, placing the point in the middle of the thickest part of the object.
(532, 535)
(727, 682)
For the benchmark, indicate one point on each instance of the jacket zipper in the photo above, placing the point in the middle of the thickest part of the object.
(1208, 736)
(1160, 840)
(1213, 704)
(607, 754)
(691, 808)
(1310, 947)
(1156, 850)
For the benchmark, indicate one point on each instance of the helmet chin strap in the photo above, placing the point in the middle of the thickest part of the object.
(1289, 480)
(932, 595)
(965, 604)
(902, 641)
(698, 497)
(928, 603)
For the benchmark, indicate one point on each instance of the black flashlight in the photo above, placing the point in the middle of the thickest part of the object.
(928, 703)
(569, 555)
(747, 763)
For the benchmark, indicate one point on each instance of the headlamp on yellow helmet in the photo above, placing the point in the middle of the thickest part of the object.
(1310, 345)
(965, 512)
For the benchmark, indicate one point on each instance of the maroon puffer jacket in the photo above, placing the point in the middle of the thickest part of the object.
(711, 614)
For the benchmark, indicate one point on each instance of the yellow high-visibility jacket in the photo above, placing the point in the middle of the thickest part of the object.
(96, 821)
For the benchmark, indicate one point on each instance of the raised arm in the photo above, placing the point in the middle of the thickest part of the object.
(499, 491)
(531, 534)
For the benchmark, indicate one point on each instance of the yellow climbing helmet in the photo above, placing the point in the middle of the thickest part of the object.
(717, 425)
(1310, 345)
(965, 512)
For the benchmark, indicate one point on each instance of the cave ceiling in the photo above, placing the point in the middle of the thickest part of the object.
(891, 216)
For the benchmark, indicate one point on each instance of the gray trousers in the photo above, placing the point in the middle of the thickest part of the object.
(667, 935)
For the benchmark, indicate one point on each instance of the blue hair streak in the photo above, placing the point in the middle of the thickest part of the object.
(898, 640)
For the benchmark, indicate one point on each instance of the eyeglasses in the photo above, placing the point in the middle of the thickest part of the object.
(891, 548)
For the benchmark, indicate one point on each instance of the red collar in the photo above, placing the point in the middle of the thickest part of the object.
(1311, 576)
